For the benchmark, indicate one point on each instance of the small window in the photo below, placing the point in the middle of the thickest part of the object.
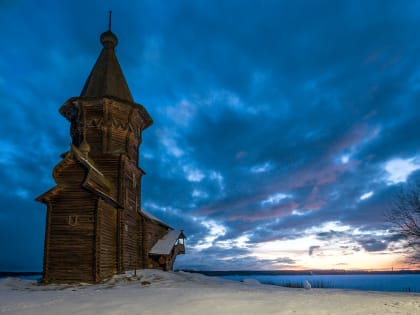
(73, 220)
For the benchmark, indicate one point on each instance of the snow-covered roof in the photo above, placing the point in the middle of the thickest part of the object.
(166, 243)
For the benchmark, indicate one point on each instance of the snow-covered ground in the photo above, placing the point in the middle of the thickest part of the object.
(160, 293)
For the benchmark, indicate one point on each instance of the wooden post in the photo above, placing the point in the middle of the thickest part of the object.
(137, 251)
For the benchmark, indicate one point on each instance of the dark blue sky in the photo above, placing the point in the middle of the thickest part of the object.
(282, 129)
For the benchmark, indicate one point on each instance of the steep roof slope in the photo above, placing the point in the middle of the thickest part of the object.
(106, 77)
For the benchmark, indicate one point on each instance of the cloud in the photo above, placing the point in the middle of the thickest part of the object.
(275, 199)
(399, 169)
(312, 249)
(269, 120)
(366, 195)
(218, 258)
(373, 245)
(262, 168)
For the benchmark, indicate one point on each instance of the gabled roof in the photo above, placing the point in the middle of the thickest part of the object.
(153, 218)
(94, 181)
(165, 244)
(106, 77)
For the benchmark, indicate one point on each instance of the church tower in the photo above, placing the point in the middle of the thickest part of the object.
(95, 227)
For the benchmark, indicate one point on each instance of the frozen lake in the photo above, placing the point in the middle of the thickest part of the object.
(377, 282)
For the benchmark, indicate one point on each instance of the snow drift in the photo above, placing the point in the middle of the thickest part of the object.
(156, 292)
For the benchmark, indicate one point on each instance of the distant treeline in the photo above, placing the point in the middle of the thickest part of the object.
(296, 272)
(19, 273)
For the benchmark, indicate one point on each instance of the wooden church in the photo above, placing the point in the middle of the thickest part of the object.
(95, 226)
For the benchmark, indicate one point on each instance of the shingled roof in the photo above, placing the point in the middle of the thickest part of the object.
(106, 77)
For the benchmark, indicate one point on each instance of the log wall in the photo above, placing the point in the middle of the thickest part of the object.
(108, 126)
(93, 122)
(71, 231)
(131, 232)
(151, 233)
(106, 240)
